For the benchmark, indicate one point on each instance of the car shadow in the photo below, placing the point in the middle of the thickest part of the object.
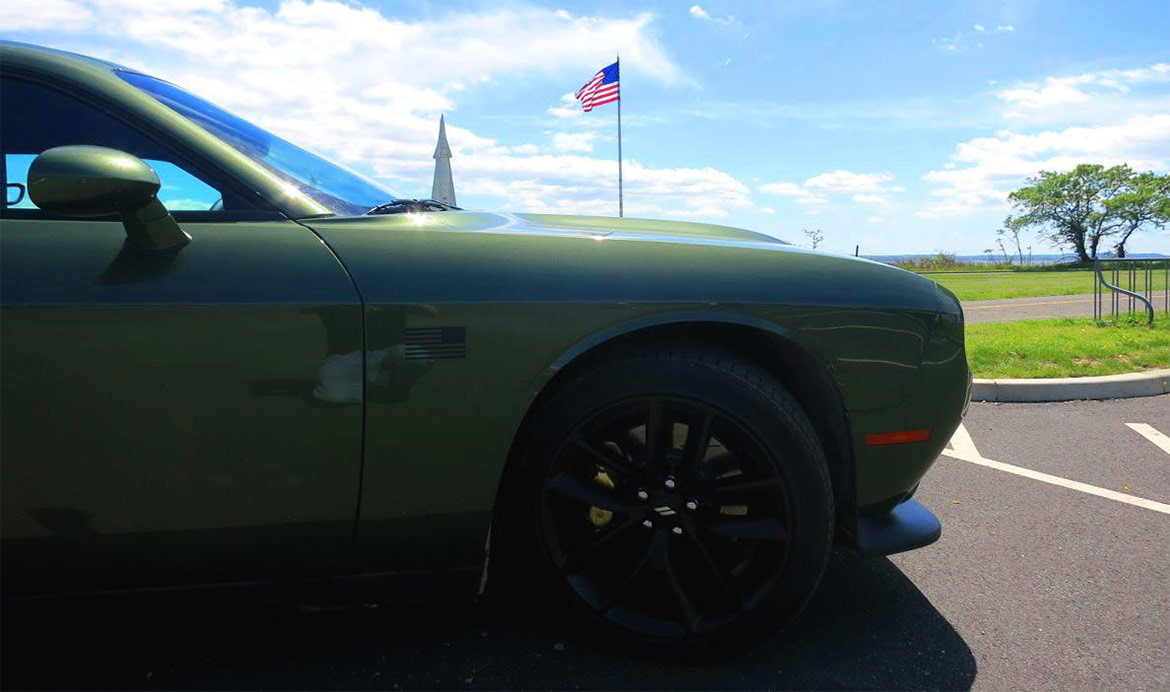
(868, 627)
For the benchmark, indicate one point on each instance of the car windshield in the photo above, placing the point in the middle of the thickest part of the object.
(337, 188)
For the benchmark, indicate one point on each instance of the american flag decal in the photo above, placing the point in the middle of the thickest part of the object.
(428, 343)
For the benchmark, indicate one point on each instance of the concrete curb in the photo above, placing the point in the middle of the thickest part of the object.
(1150, 383)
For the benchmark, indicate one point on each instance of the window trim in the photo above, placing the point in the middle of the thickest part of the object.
(180, 215)
(201, 167)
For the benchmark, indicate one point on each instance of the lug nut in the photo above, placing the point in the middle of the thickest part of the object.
(643, 495)
(677, 530)
(647, 523)
(670, 482)
(692, 505)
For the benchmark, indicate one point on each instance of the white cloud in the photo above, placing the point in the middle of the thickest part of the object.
(848, 181)
(960, 41)
(48, 14)
(865, 188)
(567, 108)
(985, 169)
(786, 189)
(579, 184)
(707, 212)
(379, 83)
(875, 219)
(1096, 96)
(799, 194)
(573, 183)
(950, 43)
(1107, 117)
(341, 51)
(574, 141)
(699, 13)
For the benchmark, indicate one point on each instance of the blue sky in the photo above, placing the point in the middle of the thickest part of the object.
(899, 126)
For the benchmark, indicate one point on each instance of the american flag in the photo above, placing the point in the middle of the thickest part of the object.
(600, 90)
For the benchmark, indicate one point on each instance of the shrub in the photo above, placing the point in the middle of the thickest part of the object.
(939, 261)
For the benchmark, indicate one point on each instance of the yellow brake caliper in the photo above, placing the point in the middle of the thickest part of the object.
(597, 516)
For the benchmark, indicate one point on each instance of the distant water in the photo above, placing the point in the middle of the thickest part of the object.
(983, 259)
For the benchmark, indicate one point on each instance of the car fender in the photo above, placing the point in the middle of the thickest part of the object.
(696, 318)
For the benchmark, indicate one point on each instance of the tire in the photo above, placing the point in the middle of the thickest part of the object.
(708, 533)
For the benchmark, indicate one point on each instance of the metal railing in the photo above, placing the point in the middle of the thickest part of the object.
(1131, 283)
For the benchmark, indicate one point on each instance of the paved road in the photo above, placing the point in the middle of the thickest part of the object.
(1011, 309)
(1033, 586)
(1050, 587)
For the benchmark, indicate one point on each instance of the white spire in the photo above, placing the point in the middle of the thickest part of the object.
(443, 189)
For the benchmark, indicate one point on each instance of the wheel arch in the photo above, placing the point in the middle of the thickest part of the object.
(766, 344)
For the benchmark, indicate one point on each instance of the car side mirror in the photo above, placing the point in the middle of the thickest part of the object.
(96, 181)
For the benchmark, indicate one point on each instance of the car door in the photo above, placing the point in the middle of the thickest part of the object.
(167, 419)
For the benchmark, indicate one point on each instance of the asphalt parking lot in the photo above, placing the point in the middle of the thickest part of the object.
(1034, 585)
(1046, 307)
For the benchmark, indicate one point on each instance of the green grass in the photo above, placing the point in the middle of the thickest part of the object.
(1027, 284)
(930, 267)
(964, 267)
(1067, 347)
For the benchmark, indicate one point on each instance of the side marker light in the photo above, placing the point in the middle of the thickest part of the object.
(897, 438)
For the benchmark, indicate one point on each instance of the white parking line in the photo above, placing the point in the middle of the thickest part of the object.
(963, 444)
(964, 450)
(1151, 434)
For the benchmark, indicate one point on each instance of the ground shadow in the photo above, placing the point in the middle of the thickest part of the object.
(868, 627)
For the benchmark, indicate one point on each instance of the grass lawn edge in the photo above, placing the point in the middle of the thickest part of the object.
(1067, 347)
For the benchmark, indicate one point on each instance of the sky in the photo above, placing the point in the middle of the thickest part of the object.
(896, 126)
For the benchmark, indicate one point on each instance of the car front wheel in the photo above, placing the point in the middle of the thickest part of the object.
(677, 500)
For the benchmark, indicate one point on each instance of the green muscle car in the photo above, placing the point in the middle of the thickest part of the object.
(227, 360)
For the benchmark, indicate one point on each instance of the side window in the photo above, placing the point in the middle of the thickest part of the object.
(34, 118)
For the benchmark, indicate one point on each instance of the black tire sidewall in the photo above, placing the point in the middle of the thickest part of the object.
(739, 390)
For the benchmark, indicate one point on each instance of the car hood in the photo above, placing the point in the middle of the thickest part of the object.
(608, 226)
(651, 230)
(641, 259)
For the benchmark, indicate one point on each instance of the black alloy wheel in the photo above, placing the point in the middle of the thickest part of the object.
(679, 500)
(665, 516)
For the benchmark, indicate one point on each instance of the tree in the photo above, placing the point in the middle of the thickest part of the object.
(1145, 205)
(1089, 204)
(1011, 231)
(815, 237)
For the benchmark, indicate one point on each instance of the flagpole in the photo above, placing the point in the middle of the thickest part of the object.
(621, 202)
